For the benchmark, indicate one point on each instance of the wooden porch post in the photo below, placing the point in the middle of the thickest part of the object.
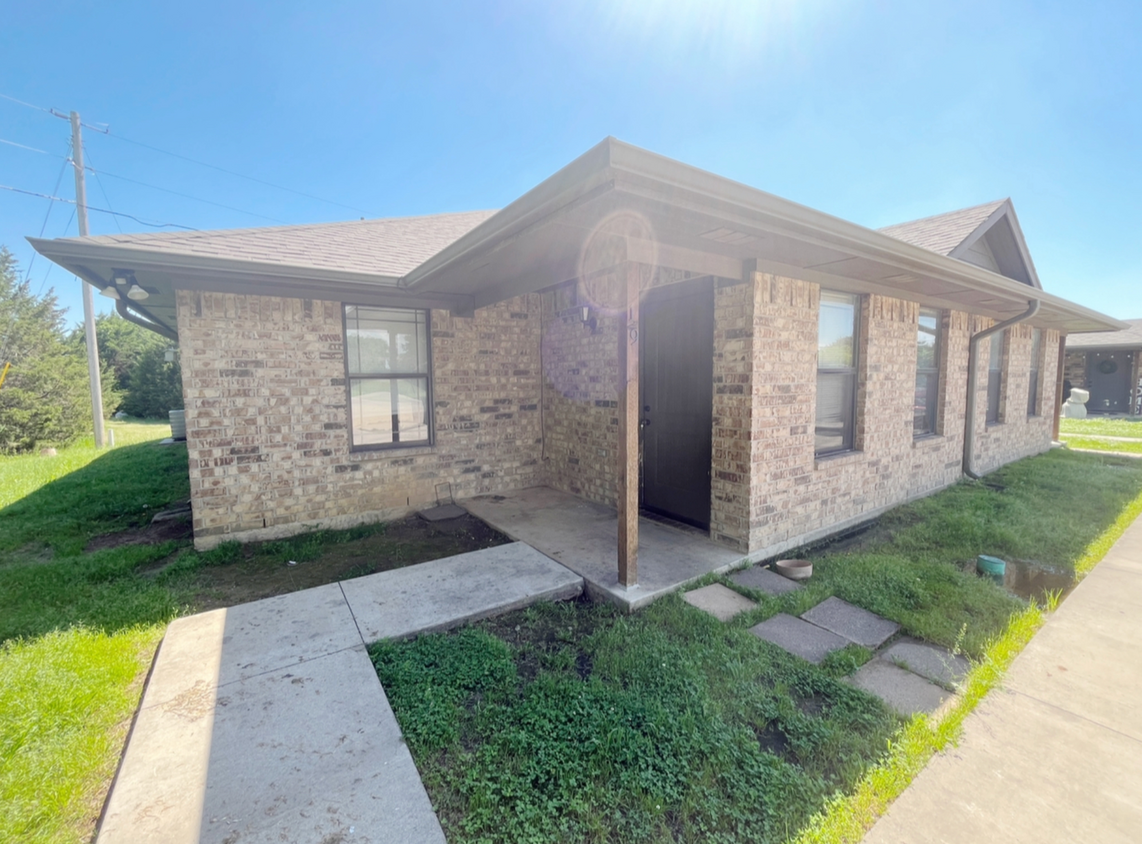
(628, 394)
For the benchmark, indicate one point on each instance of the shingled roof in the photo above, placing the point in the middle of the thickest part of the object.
(390, 247)
(943, 232)
(1127, 338)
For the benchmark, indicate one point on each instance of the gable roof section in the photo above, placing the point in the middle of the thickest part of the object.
(1127, 338)
(986, 235)
(386, 247)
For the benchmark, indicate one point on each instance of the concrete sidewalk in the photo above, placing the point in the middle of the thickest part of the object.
(266, 722)
(1056, 754)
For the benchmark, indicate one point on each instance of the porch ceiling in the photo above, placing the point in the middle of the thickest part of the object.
(676, 216)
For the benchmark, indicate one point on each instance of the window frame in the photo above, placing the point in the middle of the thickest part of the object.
(932, 397)
(852, 374)
(1033, 408)
(430, 401)
(994, 415)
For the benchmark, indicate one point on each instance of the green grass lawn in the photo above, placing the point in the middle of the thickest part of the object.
(575, 723)
(1121, 446)
(77, 632)
(563, 722)
(79, 627)
(1099, 426)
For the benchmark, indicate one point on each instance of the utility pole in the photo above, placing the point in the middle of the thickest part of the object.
(88, 296)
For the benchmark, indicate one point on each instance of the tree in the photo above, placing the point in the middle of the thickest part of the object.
(154, 386)
(45, 397)
(122, 343)
(137, 378)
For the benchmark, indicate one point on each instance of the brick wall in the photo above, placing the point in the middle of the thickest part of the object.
(580, 396)
(1016, 434)
(525, 394)
(732, 448)
(795, 497)
(267, 426)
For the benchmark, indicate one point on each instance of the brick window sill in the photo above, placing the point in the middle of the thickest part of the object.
(839, 458)
(928, 440)
(390, 452)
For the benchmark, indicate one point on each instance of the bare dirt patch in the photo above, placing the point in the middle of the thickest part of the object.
(264, 570)
(152, 534)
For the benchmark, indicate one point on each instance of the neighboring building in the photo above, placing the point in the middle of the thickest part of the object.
(790, 373)
(1109, 365)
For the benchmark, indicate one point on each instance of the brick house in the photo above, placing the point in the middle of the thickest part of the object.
(633, 331)
(1109, 365)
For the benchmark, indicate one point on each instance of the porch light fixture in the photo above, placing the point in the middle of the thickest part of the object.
(136, 293)
(586, 318)
(110, 292)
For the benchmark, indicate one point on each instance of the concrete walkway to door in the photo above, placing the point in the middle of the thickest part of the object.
(266, 722)
(583, 536)
(1056, 754)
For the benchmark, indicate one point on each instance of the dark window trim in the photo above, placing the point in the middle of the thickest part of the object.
(853, 372)
(934, 413)
(431, 441)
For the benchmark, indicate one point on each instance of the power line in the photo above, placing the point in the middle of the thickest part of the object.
(44, 226)
(144, 184)
(184, 195)
(100, 210)
(24, 146)
(102, 190)
(106, 130)
(238, 175)
(52, 264)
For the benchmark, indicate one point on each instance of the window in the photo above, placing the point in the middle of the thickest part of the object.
(995, 376)
(927, 373)
(1033, 388)
(836, 372)
(386, 361)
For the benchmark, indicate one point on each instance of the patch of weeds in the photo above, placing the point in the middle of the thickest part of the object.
(846, 661)
(681, 728)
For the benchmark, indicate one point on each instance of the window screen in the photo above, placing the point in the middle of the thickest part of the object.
(995, 376)
(927, 373)
(386, 355)
(836, 372)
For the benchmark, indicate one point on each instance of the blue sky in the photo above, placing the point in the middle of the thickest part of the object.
(877, 112)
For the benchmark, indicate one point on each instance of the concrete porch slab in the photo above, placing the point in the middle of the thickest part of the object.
(447, 593)
(583, 536)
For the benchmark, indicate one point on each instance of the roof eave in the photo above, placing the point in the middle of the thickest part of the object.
(615, 165)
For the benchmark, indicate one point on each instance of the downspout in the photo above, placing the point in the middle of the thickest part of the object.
(973, 379)
(156, 326)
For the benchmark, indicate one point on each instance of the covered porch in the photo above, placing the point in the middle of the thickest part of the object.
(583, 536)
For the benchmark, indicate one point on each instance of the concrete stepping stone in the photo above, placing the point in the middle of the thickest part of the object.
(929, 661)
(764, 580)
(903, 691)
(798, 637)
(856, 625)
(719, 601)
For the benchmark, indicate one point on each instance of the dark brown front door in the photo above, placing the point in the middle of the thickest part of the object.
(677, 381)
(1109, 379)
